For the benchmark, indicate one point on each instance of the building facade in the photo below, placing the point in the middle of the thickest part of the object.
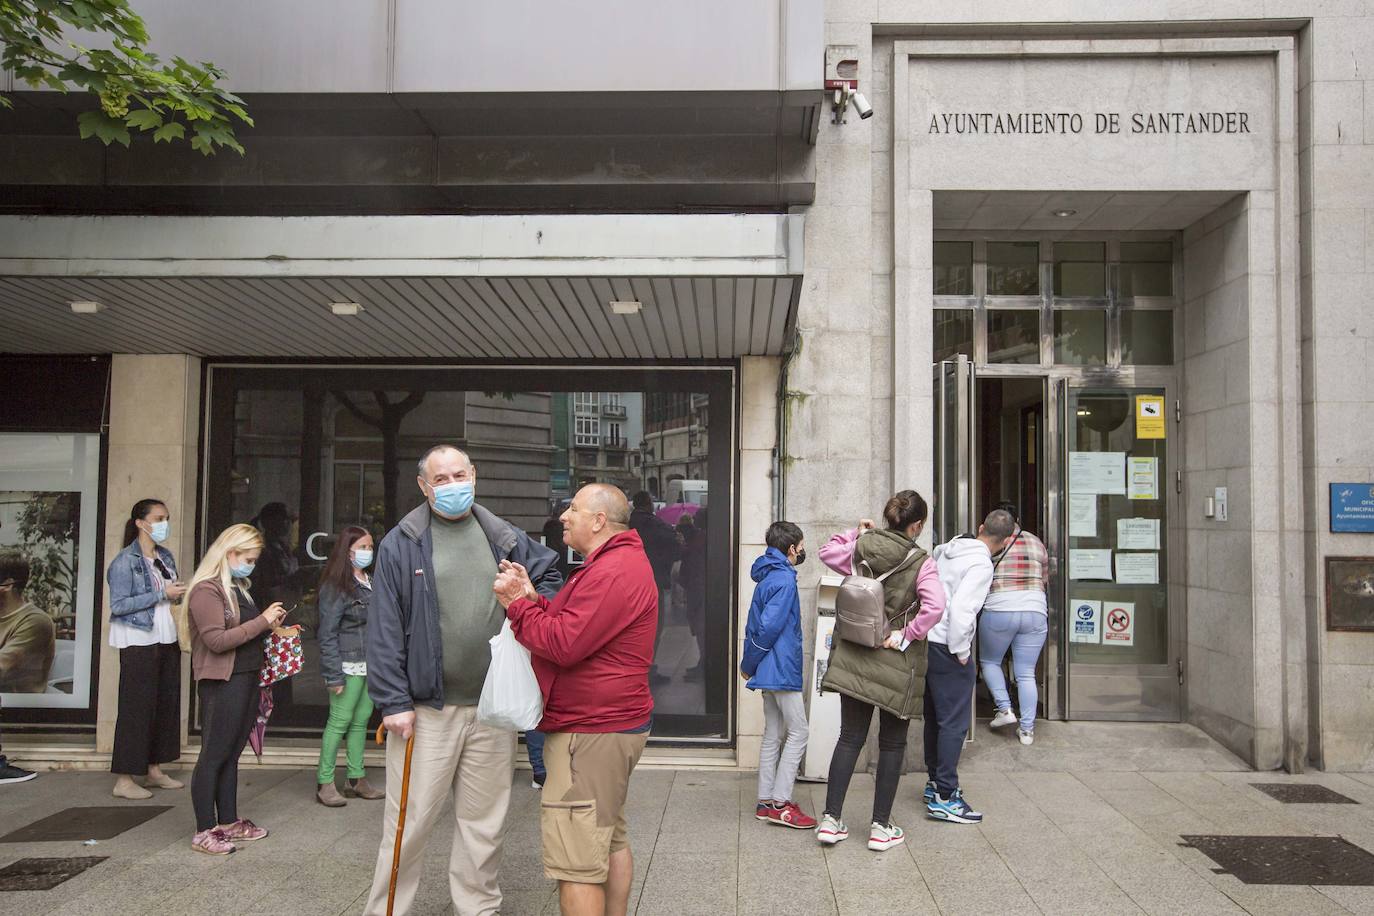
(1107, 263)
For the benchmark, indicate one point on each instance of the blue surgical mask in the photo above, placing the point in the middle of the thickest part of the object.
(242, 571)
(362, 559)
(453, 498)
(160, 531)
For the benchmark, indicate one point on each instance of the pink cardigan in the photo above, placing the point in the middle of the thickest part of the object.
(838, 552)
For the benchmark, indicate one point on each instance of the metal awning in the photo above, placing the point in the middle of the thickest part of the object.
(500, 287)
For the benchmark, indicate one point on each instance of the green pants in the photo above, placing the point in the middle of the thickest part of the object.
(348, 715)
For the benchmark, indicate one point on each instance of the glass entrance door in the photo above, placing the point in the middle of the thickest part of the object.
(1121, 618)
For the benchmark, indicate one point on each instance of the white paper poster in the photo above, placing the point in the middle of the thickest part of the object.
(1083, 515)
(1142, 478)
(1137, 534)
(1090, 564)
(1085, 623)
(1118, 619)
(1137, 568)
(1097, 472)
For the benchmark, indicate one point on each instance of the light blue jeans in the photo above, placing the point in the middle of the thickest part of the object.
(1024, 632)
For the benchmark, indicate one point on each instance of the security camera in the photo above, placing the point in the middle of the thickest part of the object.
(865, 110)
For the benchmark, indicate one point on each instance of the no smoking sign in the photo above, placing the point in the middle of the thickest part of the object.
(1120, 624)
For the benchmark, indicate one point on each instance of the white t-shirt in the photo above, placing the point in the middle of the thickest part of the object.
(123, 635)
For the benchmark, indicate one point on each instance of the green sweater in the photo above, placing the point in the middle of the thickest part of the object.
(469, 614)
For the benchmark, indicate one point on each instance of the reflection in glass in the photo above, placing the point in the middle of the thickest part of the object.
(1014, 336)
(1080, 337)
(1080, 269)
(1102, 423)
(307, 459)
(1013, 269)
(953, 268)
(1147, 337)
(1147, 269)
(953, 333)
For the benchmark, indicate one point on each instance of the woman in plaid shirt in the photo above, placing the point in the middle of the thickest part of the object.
(1015, 616)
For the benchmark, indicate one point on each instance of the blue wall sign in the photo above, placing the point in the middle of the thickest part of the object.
(1352, 507)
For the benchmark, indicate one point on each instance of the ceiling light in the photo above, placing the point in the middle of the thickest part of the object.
(345, 308)
(1064, 213)
(86, 307)
(626, 307)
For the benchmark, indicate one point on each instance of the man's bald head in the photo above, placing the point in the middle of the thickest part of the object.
(602, 497)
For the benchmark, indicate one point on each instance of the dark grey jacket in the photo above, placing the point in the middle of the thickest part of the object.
(343, 628)
(405, 663)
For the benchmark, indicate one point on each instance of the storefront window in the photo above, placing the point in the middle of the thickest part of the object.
(302, 453)
(1147, 269)
(1147, 337)
(954, 268)
(1080, 269)
(1080, 337)
(1014, 269)
(48, 501)
(1014, 336)
(953, 333)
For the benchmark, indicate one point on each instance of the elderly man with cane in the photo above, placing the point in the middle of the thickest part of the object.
(592, 648)
(432, 615)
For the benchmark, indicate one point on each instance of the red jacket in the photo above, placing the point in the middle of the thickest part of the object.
(593, 644)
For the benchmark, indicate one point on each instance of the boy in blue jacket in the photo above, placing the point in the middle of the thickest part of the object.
(772, 661)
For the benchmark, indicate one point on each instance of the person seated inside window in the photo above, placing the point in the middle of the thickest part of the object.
(28, 640)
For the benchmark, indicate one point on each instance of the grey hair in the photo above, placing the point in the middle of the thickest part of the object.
(441, 447)
(999, 524)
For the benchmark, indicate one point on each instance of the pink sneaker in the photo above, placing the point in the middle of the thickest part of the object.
(212, 842)
(243, 830)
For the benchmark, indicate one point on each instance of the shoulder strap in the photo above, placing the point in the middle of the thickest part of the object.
(910, 554)
(1007, 549)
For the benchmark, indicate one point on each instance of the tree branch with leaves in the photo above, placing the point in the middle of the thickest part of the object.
(137, 90)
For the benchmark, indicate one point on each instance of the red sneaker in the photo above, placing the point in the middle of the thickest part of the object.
(789, 815)
(765, 811)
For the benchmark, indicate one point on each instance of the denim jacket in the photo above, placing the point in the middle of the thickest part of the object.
(343, 627)
(133, 596)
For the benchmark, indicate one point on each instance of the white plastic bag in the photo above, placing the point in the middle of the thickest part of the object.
(510, 695)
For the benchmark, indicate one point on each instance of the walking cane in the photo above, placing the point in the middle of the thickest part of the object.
(400, 819)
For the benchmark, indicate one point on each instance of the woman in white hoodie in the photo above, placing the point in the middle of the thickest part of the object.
(965, 566)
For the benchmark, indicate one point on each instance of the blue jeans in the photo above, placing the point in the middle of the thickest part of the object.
(1024, 632)
(534, 746)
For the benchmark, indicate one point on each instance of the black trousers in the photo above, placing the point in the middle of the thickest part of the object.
(949, 694)
(148, 730)
(855, 717)
(228, 710)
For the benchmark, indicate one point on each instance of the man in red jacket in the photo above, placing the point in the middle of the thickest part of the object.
(592, 647)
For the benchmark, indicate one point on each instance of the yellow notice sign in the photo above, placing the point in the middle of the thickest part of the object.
(1149, 417)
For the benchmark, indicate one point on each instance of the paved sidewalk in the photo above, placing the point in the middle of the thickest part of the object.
(1094, 836)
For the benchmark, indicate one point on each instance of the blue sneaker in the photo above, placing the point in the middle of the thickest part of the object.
(928, 796)
(954, 809)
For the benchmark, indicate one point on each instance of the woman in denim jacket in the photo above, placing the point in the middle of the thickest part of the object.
(345, 592)
(143, 584)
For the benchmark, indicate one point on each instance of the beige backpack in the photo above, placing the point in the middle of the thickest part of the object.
(860, 611)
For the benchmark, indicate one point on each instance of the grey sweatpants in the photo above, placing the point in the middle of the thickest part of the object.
(784, 713)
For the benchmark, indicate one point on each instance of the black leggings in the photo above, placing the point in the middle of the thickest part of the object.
(855, 717)
(228, 710)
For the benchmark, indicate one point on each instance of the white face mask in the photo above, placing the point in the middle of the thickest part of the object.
(160, 531)
(362, 559)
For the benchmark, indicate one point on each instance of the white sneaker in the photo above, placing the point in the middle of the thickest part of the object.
(882, 837)
(831, 830)
(1027, 736)
(1003, 717)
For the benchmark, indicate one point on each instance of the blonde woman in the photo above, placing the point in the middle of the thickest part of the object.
(227, 632)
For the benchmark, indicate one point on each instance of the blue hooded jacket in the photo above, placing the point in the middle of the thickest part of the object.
(773, 636)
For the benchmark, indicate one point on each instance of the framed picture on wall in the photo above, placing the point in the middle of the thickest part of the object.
(1350, 593)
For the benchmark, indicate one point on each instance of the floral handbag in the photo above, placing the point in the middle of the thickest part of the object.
(282, 655)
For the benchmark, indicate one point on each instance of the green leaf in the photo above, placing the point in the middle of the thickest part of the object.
(143, 119)
(170, 131)
(103, 127)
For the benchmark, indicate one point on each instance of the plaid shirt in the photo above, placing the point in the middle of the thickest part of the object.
(1024, 566)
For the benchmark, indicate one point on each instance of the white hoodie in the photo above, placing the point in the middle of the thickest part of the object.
(965, 567)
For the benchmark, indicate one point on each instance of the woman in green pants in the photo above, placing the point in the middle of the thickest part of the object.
(345, 592)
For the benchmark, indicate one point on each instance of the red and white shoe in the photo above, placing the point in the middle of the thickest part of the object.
(243, 830)
(790, 815)
(764, 811)
(832, 830)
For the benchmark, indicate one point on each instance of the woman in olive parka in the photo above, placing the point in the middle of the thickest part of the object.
(890, 678)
